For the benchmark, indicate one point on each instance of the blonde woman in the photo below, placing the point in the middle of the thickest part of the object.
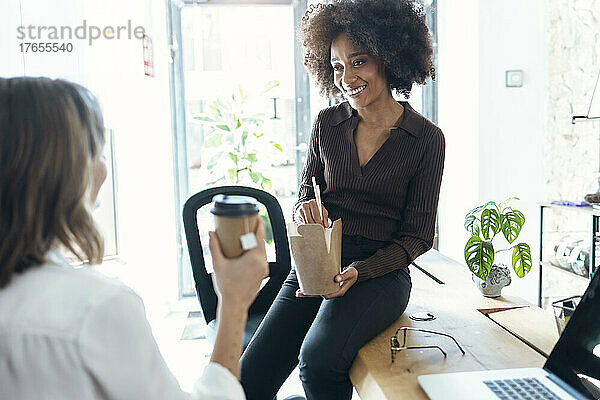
(69, 333)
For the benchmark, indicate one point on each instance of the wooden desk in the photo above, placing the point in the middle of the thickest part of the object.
(531, 324)
(462, 312)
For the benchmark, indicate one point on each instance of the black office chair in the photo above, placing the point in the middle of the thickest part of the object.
(278, 270)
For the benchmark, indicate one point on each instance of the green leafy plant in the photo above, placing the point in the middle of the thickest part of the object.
(237, 141)
(237, 137)
(484, 223)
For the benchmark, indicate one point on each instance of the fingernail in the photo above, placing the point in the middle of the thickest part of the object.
(338, 278)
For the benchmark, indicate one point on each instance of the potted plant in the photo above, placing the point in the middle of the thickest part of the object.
(236, 142)
(485, 223)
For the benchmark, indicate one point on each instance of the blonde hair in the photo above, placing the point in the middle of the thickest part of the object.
(51, 134)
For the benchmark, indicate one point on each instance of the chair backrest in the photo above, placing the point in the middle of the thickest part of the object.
(278, 270)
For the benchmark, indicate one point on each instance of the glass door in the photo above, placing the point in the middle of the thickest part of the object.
(241, 102)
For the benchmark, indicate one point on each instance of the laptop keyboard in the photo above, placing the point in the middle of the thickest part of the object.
(520, 389)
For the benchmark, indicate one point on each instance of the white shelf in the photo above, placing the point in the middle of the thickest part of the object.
(569, 272)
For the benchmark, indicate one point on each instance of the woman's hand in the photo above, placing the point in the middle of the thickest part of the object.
(346, 279)
(308, 213)
(238, 279)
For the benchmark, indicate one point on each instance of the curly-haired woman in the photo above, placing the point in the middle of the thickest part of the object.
(379, 164)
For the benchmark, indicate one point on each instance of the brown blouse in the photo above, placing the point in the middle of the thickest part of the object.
(393, 197)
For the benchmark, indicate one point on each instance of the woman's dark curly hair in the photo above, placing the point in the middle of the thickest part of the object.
(394, 31)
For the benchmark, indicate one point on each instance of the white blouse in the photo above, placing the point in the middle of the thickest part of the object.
(72, 333)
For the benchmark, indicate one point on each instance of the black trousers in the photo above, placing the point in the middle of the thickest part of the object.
(322, 337)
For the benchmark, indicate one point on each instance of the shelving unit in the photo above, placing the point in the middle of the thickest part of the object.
(570, 273)
(594, 233)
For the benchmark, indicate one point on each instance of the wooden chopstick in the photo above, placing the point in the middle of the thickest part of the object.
(317, 191)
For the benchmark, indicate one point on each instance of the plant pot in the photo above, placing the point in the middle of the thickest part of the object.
(498, 277)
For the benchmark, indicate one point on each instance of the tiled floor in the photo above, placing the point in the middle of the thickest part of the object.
(187, 358)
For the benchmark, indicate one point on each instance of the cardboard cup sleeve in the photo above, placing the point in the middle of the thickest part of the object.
(229, 230)
(317, 253)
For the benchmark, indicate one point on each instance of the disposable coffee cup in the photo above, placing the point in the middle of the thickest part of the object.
(235, 222)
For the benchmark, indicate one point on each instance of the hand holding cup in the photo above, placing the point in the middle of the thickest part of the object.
(238, 279)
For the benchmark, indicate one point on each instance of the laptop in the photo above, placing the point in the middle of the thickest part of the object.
(572, 371)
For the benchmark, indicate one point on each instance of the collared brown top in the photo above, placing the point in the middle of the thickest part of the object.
(393, 197)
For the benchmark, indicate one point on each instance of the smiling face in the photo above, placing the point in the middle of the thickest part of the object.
(358, 75)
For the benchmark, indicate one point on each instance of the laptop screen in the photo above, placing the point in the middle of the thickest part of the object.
(576, 356)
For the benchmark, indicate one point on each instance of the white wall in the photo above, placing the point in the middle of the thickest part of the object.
(494, 134)
(511, 123)
(458, 113)
(11, 60)
(136, 107)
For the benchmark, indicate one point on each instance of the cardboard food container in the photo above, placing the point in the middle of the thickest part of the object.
(317, 252)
